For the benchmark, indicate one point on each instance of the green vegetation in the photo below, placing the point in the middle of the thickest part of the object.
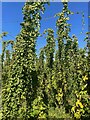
(54, 84)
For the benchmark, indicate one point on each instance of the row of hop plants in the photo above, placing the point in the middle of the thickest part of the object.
(54, 84)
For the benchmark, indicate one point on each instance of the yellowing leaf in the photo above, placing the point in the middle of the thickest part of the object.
(78, 103)
(77, 115)
(73, 108)
(85, 78)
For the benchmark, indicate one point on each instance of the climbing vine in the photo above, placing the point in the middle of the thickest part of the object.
(53, 84)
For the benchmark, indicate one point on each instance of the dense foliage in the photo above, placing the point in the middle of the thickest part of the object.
(54, 84)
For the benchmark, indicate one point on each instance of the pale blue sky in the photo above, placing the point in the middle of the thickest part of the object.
(12, 16)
